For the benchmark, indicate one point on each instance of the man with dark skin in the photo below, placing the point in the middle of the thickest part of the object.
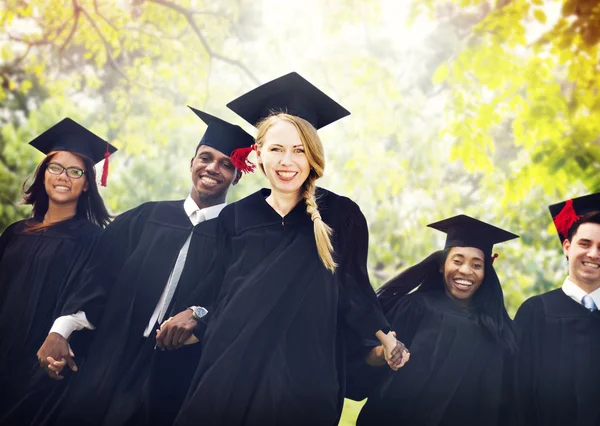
(138, 275)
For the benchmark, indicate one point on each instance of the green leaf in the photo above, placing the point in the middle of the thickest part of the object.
(539, 15)
(441, 74)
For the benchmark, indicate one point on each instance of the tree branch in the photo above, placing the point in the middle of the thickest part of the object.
(17, 61)
(76, 12)
(39, 42)
(45, 39)
(189, 16)
(109, 22)
(107, 46)
(158, 37)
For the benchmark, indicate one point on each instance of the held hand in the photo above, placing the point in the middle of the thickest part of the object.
(403, 357)
(176, 331)
(389, 345)
(54, 354)
(394, 351)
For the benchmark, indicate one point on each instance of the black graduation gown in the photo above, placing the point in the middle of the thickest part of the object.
(35, 271)
(273, 352)
(454, 376)
(558, 375)
(120, 290)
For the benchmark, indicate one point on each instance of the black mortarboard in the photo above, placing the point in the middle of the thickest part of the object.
(221, 135)
(228, 138)
(70, 136)
(292, 94)
(465, 231)
(567, 213)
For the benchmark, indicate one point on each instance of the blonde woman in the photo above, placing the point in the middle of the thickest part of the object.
(292, 276)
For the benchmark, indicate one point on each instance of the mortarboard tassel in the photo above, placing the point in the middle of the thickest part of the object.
(239, 158)
(104, 177)
(494, 257)
(565, 219)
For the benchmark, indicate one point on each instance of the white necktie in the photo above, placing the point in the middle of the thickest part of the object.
(588, 302)
(196, 217)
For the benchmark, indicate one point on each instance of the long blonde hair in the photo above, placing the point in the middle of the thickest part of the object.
(316, 160)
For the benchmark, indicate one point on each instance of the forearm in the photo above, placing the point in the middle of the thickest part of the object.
(376, 357)
(67, 324)
(386, 337)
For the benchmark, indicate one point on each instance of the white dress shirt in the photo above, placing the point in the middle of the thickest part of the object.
(576, 293)
(67, 324)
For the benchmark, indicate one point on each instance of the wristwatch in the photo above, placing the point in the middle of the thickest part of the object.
(198, 312)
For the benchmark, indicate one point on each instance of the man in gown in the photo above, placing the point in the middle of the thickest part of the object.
(139, 275)
(557, 372)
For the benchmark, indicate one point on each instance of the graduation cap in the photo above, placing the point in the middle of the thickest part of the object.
(68, 135)
(228, 138)
(567, 213)
(291, 94)
(465, 231)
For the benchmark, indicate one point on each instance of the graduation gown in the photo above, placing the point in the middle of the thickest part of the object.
(120, 290)
(273, 352)
(35, 270)
(558, 375)
(454, 376)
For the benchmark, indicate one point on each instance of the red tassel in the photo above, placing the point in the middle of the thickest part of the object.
(494, 257)
(239, 158)
(105, 169)
(565, 219)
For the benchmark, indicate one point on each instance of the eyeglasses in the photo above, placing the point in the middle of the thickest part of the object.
(72, 172)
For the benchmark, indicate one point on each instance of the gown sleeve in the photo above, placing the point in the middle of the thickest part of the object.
(206, 293)
(88, 291)
(358, 301)
(405, 318)
(5, 239)
(524, 363)
(85, 248)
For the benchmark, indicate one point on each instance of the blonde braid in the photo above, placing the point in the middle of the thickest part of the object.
(322, 230)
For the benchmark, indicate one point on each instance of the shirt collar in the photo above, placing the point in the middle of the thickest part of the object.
(576, 293)
(190, 206)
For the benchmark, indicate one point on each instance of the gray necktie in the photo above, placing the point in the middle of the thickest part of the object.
(195, 218)
(588, 302)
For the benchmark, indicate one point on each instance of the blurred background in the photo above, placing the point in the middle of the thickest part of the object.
(488, 108)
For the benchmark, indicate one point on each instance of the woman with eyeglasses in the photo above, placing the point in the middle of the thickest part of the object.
(39, 255)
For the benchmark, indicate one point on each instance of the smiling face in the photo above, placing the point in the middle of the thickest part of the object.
(583, 252)
(212, 175)
(463, 272)
(62, 189)
(283, 159)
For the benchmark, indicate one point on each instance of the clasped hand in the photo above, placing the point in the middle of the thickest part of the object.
(176, 331)
(394, 351)
(54, 354)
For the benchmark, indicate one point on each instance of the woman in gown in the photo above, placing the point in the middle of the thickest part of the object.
(458, 332)
(39, 255)
(292, 277)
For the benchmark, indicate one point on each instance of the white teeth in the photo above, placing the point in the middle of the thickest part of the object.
(287, 174)
(62, 188)
(463, 282)
(591, 265)
(209, 180)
